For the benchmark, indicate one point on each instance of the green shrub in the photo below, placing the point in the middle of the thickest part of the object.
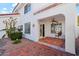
(15, 35)
(16, 41)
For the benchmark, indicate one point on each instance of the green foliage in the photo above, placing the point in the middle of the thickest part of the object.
(10, 26)
(16, 35)
(11, 30)
(16, 41)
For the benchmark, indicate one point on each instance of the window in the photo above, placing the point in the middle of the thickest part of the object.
(20, 28)
(27, 28)
(55, 28)
(27, 8)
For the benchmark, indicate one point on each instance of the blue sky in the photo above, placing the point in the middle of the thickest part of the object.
(6, 7)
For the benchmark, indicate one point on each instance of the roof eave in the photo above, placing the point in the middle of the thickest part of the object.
(15, 7)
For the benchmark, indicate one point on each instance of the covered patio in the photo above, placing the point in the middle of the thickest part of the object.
(52, 30)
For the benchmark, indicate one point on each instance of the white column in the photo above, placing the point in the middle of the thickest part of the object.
(70, 18)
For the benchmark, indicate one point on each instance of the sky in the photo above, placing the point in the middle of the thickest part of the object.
(6, 7)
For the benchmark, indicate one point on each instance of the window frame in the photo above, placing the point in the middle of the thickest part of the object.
(27, 8)
(27, 28)
(55, 27)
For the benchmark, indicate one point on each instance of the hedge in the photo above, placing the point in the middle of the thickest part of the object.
(16, 35)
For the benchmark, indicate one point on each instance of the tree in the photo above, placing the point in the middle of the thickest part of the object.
(10, 25)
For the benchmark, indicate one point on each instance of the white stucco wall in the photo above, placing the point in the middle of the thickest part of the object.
(76, 27)
(2, 26)
(68, 10)
(70, 28)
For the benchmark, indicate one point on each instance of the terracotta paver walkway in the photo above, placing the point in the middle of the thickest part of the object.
(30, 48)
(53, 41)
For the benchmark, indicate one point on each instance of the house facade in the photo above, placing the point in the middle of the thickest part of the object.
(39, 20)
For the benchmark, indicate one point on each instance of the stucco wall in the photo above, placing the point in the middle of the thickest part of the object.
(68, 10)
(2, 26)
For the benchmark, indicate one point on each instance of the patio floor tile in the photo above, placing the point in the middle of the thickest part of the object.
(30, 48)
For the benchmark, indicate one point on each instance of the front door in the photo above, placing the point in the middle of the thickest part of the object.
(42, 30)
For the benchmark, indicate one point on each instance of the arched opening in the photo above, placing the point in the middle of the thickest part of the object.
(52, 30)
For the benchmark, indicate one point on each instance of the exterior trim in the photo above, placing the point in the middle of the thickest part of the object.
(9, 14)
(15, 7)
(53, 5)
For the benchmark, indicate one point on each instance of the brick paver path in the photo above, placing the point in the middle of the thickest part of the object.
(53, 41)
(30, 48)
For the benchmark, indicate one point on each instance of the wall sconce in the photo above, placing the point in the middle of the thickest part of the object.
(33, 25)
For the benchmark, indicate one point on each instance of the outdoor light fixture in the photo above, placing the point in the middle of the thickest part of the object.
(54, 21)
(33, 25)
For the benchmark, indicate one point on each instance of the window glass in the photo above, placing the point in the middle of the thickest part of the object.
(27, 8)
(27, 28)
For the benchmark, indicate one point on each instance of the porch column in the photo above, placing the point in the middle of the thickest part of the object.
(70, 18)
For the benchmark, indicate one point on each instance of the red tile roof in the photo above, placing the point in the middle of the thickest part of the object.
(9, 14)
